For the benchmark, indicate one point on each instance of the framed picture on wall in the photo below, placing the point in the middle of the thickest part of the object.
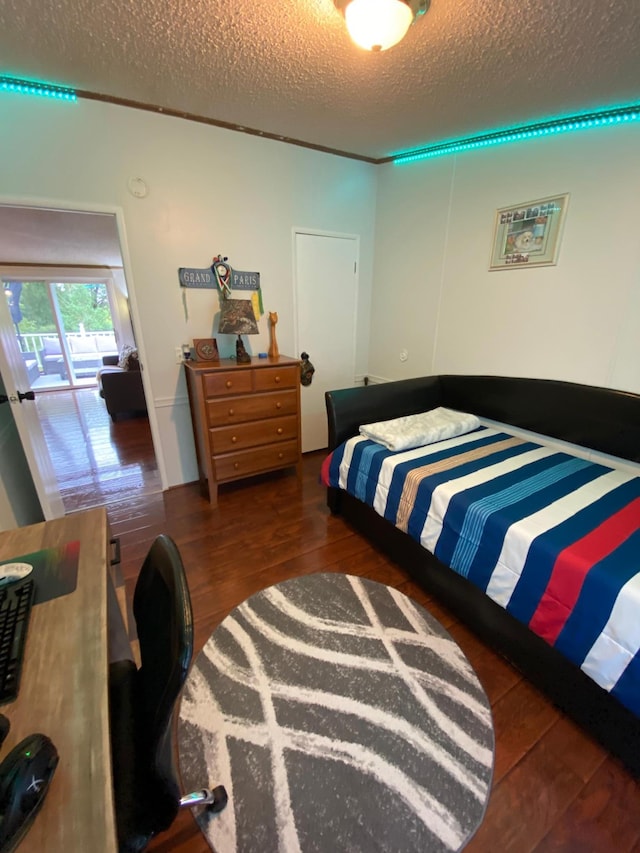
(528, 234)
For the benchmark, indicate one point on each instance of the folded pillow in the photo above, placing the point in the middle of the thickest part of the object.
(418, 430)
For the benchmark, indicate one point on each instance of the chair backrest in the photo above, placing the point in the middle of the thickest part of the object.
(164, 622)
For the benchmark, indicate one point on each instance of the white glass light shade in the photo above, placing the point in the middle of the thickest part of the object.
(377, 24)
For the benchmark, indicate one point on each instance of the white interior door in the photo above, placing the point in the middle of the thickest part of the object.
(326, 285)
(25, 415)
(19, 504)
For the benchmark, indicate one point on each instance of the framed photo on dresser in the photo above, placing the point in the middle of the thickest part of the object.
(206, 349)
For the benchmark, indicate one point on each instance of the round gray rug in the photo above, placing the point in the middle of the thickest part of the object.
(340, 716)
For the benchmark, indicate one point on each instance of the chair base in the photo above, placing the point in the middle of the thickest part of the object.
(214, 799)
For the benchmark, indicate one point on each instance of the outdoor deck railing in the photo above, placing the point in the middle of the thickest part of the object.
(34, 341)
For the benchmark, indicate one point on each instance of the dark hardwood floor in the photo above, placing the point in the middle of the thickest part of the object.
(554, 788)
(96, 461)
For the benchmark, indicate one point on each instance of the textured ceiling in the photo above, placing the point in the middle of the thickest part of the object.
(287, 67)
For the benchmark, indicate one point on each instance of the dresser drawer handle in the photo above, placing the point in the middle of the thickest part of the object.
(229, 383)
(279, 430)
(277, 379)
(280, 455)
(236, 465)
(234, 438)
(278, 405)
(231, 413)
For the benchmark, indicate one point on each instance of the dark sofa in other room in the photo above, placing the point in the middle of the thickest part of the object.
(122, 389)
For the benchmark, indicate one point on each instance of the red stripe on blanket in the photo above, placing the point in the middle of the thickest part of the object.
(573, 565)
(324, 471)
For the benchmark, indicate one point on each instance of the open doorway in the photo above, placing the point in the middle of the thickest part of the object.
(69, 263)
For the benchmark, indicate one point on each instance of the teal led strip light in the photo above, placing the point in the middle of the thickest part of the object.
(25, 87)
(602, 118)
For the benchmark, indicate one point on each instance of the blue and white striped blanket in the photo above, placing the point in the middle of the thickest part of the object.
(551, 537)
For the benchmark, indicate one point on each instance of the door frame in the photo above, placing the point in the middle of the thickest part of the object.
(118, 212)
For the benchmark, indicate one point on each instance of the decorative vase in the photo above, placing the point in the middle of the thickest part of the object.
(273, 347)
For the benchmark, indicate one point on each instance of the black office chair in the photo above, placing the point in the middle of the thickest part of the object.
(146, 792)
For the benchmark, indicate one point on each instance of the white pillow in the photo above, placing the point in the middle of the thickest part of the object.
(82, 345)
(421, 429)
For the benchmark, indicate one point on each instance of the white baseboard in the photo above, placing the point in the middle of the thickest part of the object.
(168, 402)
(378, 380)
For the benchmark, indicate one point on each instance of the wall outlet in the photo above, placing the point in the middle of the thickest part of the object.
(179, 355)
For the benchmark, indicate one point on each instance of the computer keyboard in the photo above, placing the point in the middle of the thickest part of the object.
(16, 600)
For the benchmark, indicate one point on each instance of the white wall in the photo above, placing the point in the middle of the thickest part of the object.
(210, 191)
(434, 294)
(119, 304)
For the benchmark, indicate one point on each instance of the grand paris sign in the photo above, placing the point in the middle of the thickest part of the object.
(205, 278)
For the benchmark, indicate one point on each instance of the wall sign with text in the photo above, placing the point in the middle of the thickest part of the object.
(205, 278)
(193, 277)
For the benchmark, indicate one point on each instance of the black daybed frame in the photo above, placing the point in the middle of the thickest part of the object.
(596, 418)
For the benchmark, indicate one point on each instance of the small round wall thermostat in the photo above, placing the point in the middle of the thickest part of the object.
(14, 571)
(137, 187)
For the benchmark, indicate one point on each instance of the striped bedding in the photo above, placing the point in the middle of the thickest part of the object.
(551, 537)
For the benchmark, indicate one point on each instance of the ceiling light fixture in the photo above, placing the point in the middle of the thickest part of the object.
(377, 25)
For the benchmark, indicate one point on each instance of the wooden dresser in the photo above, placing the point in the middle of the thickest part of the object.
(246, 417)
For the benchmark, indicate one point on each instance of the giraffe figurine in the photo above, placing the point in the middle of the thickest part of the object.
(273, 347)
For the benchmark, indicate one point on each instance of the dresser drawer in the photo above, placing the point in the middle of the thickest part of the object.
(272, 378)
(252, 434)
(228, 382)
(246, 462)
(257, 406)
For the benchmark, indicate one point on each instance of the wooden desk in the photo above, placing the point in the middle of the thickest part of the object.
(63, 690)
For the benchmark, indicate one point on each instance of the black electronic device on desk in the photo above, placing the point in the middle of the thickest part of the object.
(16, 600)
(25, 775)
